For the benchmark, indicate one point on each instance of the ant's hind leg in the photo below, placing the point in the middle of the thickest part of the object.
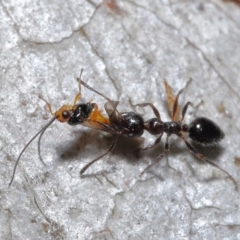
(202, 157)
(159, 158)
(107, 152)
(184, 110)
(155, 111)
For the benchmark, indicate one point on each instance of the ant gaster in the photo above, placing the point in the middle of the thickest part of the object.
(201, 130)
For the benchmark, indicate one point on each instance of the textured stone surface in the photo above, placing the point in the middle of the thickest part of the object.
(125, 53)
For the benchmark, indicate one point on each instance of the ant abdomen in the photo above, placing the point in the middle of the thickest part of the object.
(204, 131)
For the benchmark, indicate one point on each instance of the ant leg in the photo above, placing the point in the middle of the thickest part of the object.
(108, 99)
(78, 96)
(194, 151)
(107, 152)
(159, 158)
(199, 104)
(197, 107)
(184, 110)
(93, 90)
(155, 111)
(153, 145)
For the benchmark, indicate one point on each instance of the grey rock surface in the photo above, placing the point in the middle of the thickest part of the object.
(126, 53)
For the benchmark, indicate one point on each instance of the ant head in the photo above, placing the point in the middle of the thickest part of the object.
(64, 113)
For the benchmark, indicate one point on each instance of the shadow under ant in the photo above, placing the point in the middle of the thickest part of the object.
(75, 148)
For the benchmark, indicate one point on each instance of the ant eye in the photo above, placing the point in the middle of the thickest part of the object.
(65, 114)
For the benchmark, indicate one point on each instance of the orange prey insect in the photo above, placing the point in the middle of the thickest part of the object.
(86, 114)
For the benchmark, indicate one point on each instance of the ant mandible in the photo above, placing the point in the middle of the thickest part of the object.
(201, 130)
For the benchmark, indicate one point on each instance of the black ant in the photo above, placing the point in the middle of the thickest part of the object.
(201, 130)
(129, 124)
(86, 114)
